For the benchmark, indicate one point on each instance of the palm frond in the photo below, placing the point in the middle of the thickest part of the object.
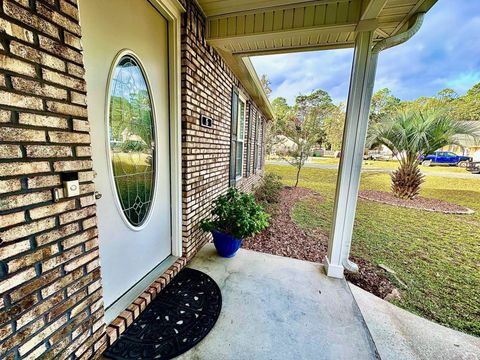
(416, 133)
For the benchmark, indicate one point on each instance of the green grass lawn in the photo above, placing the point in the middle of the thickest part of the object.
(391, 165)
(325, 160)
(436, 255)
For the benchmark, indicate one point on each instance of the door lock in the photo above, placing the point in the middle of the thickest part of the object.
(98, 195)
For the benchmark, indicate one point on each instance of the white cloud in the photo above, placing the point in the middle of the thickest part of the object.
(293, 74)
(445, 53)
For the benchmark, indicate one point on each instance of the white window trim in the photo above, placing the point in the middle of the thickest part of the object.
(241, 99)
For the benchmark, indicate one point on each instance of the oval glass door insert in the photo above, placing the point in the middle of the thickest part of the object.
(131, 135)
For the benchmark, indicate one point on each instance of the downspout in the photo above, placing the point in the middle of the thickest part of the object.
(389, 42)
(372, 70)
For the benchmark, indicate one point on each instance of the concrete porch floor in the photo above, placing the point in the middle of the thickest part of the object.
(280, 308)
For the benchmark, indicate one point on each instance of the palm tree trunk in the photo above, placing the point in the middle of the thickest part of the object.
(406, 180)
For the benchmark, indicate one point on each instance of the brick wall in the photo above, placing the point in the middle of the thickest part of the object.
(207, 85)
(50, 292)
(50, 288)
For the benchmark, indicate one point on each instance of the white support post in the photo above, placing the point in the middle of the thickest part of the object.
(348, 181)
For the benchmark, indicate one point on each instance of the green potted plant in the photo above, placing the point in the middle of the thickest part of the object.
(235, 216)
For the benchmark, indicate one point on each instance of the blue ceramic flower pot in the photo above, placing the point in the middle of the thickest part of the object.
(226, 245)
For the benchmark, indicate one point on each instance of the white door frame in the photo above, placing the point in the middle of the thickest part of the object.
(172, 10)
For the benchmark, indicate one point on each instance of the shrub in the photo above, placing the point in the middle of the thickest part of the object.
(236, 214)
(269, 189)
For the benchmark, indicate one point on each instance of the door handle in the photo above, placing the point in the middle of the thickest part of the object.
(98, 195)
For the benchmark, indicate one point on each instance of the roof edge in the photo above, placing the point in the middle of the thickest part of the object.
(267, 106)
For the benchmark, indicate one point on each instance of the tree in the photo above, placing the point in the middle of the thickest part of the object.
(266, 84)
(383, 105)
(303, 125)
(445, 101)
(412, 134)
(447, 95)
(333, 127)
(280, 108)
(273, 131)
(467, 107)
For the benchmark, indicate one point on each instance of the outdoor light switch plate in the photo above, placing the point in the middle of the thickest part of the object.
(72, 188)
(205, 121)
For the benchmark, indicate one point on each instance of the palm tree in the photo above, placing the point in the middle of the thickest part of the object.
(412, 134)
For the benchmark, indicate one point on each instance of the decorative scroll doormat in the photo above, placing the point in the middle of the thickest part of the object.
(175, 321)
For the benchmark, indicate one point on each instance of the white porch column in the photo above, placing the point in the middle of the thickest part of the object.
(358, 106)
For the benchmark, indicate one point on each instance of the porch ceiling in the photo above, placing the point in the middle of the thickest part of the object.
(254, 27)
(238, 29)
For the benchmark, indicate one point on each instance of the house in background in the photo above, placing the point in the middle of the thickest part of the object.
(467, 145)
(282, 144)
(90, 236)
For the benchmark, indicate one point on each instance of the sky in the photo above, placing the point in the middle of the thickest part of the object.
(444, 53)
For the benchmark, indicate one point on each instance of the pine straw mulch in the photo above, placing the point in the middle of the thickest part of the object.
(285, 238)
(419, 203)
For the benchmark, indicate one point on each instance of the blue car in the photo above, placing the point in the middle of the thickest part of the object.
(445, 158)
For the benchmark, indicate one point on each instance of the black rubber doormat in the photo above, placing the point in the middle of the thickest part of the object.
(175, 321)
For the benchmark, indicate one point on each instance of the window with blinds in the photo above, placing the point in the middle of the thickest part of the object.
(257, 145)
(237, 138)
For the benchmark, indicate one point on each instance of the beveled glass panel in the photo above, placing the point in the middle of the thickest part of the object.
(132, 140)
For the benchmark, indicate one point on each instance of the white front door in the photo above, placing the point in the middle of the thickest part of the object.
(126, 58)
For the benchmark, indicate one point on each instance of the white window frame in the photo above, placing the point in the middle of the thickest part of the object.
(240, 131)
